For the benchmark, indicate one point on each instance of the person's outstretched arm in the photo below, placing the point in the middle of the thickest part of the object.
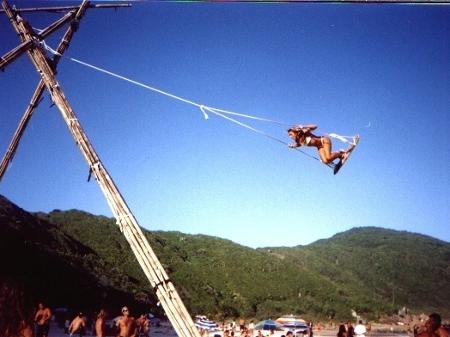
(309, 127)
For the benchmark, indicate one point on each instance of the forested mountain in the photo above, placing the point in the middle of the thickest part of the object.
(77, 259)
(395, 267)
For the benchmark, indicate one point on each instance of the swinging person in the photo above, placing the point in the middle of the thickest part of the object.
(302, 136)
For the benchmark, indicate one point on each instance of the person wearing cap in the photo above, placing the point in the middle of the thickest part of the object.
(126, 324)
(78, 325)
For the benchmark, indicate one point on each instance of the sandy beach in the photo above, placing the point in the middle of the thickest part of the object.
(166, 330)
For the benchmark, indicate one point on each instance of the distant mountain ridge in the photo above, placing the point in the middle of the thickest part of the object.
(371, 270)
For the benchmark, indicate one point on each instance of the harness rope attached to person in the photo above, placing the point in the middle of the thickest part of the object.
(203, 108)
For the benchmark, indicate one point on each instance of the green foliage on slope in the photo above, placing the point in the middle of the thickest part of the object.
(370, 270)
(54, 267)
(396, 267)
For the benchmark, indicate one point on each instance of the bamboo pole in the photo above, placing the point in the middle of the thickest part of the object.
(166, 292)
(65, 8)
(24, 46)
(12, 148)
(362, 2)
(14, 53)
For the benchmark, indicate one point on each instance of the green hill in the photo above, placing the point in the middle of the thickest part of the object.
(371, 270)
(52, 266)
(396, 267)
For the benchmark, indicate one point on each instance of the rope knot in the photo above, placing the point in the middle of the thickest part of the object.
(203, 108)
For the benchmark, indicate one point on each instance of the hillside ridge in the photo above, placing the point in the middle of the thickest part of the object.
(371, 270)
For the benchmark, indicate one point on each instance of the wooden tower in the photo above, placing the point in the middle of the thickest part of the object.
(31, 44)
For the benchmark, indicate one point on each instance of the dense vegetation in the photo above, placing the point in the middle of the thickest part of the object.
(371, 270)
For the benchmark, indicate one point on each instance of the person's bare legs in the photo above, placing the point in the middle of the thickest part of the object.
(325, 153)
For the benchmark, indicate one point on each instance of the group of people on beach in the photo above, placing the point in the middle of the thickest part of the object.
(432, 328)
(125, 326)
(16, 319)
(347, 330)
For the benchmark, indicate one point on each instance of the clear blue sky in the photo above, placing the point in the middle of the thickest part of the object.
(382, 71)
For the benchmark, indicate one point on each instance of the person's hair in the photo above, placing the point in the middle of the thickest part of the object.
(294, 129)
(341, 330)
(436, 317)
(299, 134)
(101, 313)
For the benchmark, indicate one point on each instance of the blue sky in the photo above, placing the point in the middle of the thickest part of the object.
(382, 71)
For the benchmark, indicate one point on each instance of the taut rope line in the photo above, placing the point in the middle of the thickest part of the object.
(204, 108)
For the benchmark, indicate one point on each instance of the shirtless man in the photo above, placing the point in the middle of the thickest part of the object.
(126, 324)
(78, 325)
(42, 320)
(100, 324)
(433, 327)
(143, 326)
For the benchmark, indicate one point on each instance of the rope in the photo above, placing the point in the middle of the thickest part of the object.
(216, 112)
(203, 108)
(344, 139)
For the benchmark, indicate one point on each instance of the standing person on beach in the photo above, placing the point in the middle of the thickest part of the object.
(242, 325)
(310, 328)
(349, 329)
(42, 320)
(433, 327)
(360, 329)
(100, 324)
(342, 332)
(126, 324)
(78, 325)
(143, 326)
(251, 328)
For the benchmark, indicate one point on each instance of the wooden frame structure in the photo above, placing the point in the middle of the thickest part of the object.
(30, 43)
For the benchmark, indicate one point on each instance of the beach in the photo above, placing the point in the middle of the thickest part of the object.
(166, 330)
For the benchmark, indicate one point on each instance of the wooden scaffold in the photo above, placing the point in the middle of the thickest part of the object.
(31, 43)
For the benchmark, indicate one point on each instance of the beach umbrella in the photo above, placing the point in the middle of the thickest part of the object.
(206, 324)
(289, 318)
(268, 324)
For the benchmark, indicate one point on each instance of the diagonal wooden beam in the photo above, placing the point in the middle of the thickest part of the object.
(14, 53)
(159, 279)
(24, 46)
(65, 8)
(35, 99)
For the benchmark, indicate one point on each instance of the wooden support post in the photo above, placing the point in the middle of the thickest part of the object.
(14, 53)
(168, 296)
(9, 155)
(59, 9)
(24, 46)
